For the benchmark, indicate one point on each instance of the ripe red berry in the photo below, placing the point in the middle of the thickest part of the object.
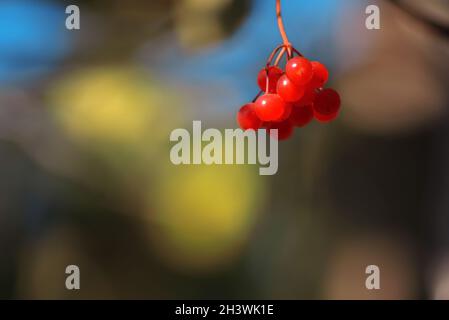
(270, 107)
(288, 90)
(274, 73)
(299, 70)
(308, 98)
(301, 116)
(247, 118)
(320, 75)
(327, 105)
(324, 118)
(287, 112)
(285, 129)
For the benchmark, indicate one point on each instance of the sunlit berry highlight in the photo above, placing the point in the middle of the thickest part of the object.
(289, 91)
(299, 70)
(270, 107)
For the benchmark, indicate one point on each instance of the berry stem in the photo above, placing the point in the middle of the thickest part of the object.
(282, 28)
(297, 52)
(257, 96)
(267, 84)
(279, 57)
(273, 54)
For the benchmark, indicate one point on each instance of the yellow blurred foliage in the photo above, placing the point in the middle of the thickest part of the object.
(205, 213)
(108, 105)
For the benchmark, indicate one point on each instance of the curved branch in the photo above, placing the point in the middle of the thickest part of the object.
(282, 27)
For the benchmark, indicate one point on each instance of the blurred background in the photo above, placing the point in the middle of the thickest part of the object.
(85, 176)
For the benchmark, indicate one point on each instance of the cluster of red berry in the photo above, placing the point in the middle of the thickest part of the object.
(292, 98)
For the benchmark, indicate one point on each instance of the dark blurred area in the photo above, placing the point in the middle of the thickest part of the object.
(85, 118)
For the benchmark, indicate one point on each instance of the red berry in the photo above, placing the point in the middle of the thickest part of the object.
(287, 112)
(320, 75)
(299, 70)
(274, 73)
(270, 107)
(327, 105)
(285, 129)
(327, 102)
(247, 118)
(288, 90)
(308, 98)
(301, 116)
(324, 118)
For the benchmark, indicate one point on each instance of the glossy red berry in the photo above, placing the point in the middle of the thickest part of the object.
(327, 105)
(247, 118)
(270, 107)
(285, 129)
(274, 73)
(308, 98)
(325, 118)
(288, 90)
(301, 116)
(287, 112)
(320, 75)
(299, 70)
